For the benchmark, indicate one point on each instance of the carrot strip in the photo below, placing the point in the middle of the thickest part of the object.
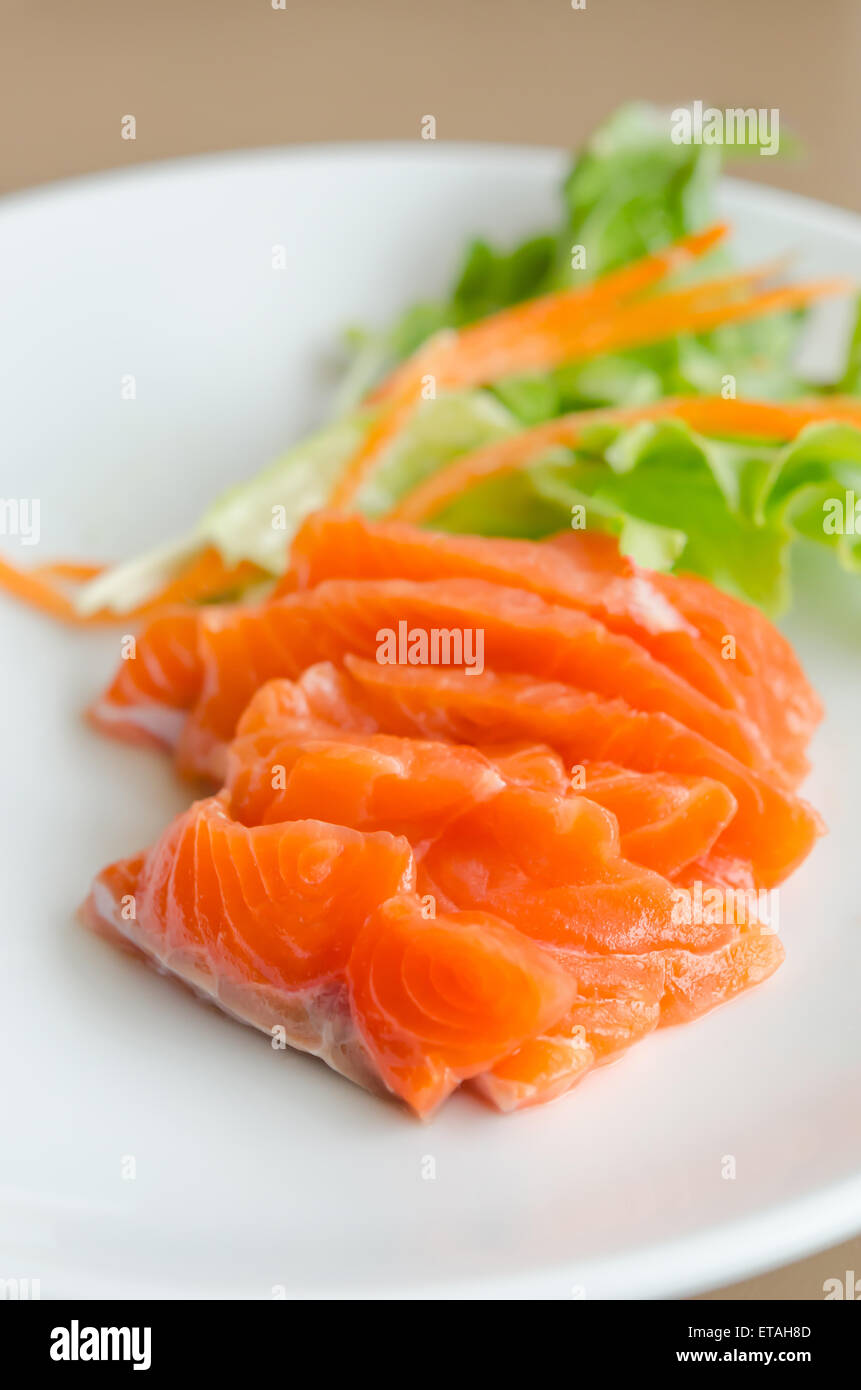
(669, 316)
(708, 414)
(36, 590)
(72, 570)
(511, 340)
(558, 338)
(509, 324)
(486, 352)
(780, 421)
(206, 576)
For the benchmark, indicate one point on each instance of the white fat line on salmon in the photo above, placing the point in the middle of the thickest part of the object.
(700, 904)
(21, 517)
(437, 646)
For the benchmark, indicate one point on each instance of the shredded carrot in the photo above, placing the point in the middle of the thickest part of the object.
(205, 577)
(470, 345)
(37, 590)
(777, 420)
(570, 326)
(512, 340)
(663, 318)
(73, 570)
(708, 414)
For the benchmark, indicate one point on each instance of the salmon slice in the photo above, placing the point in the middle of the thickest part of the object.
(772, 827)
(597, 1030)
(763, 668)
(666, 820)
(411, 787)
(622, 998)
(680, 621)
(260, 921)
(339, 545)
(287, 763)
(695, 985)
(540, 1070)
(500, 861)
(553, 869)
(156, 684)
(618, 1003)
(698, 983)
(519, 631)
(439, 1000)
(420, 789)
(234, 652)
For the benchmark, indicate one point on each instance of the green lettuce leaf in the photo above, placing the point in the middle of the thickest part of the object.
(724, 510)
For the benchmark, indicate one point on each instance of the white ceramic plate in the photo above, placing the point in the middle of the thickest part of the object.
(254, 1169)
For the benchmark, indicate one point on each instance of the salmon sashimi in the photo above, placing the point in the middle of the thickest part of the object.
(666, 820)
(695, 984)
(772, 827)
(760, 662)
(670, 616)
(439, 1000)
(337, 545)
(261, 921)
(553, 868)
(156, 684)
(724, 890)
(286, 763)
(281, 902)
(618, 1002)
(682, 624)
(516, 631)
(519, 632)
(622, 998)
(412, 787)
(545, 842)
(486, 812)
(540, 1070)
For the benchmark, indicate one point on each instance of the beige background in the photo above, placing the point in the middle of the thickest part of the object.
(221, 74)
(204, 75)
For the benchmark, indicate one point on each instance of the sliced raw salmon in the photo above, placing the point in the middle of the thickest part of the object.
(553, 869)
(618, 1002)
(681, 621)
(418, 787)
(759, 662)
(666, 820)
(772, 827)
(410, 787)
(517, 631)
(695, 984)
(339, 545)
(439, 1000)
(540, 1070)
(503, 867)
(262, 921)
(157, 682)
(287, 762)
